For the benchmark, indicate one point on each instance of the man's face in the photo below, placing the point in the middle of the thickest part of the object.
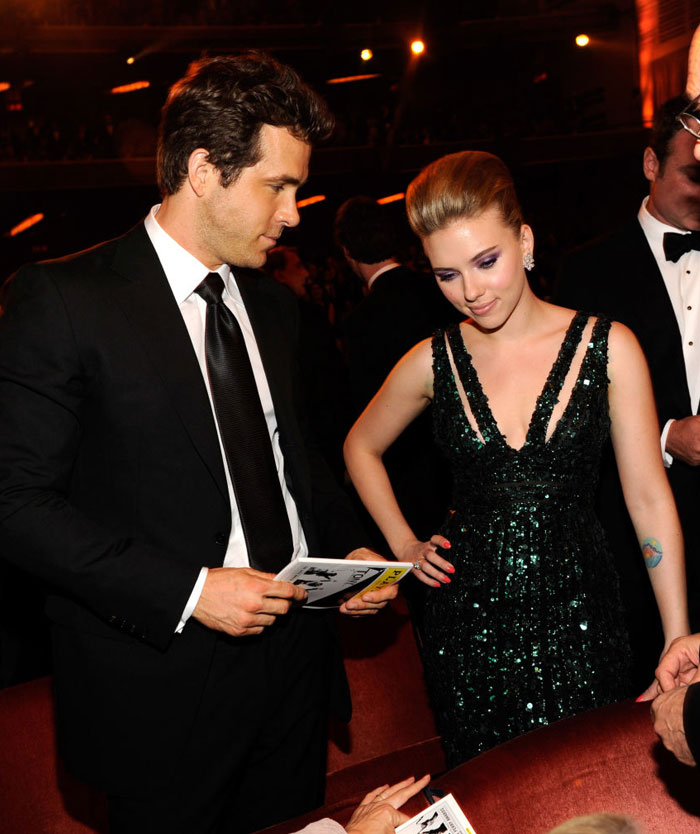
(674, 193)
(238, 225)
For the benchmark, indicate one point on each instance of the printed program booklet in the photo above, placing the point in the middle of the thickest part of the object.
(330, 582)
(443, 817)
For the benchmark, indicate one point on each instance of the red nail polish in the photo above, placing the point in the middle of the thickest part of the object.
(451, 569)
(447, 580)
(447, 545)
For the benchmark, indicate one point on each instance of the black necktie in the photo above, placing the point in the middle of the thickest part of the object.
(244, 434)
(676, 244)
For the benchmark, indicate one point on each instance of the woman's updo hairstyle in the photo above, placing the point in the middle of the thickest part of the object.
(461, 185)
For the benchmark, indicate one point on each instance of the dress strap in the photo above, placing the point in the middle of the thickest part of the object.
(555, 381)
(478, 402)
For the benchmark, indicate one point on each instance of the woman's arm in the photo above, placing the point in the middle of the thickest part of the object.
(406, 393)
(635, 437)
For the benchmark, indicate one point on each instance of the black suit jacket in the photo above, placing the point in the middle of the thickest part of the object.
(619, 276)
(112, 489)
(402, 308)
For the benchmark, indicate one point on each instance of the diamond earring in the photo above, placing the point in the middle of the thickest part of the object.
(528, 261)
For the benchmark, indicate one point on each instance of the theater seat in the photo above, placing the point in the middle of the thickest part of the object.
(392, 730)
(36, 795)
(607, 759)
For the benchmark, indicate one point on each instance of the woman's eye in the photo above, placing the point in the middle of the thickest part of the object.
(445, 276)
(487, 263)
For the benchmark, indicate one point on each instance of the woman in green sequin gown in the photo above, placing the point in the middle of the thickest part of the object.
(524, 623)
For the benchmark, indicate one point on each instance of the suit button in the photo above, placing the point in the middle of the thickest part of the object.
(219, 538)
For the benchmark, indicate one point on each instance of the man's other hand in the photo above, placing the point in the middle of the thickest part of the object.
(243, 601)
(667, 715)
(372, 601)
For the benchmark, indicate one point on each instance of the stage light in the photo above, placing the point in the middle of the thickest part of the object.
(4, 85)
(582, 40)
(309, 201)
(129, 88)
(392, 198)
(348, 78)
(130, 60)
(366, 54)
(26, 224)
(417, 47)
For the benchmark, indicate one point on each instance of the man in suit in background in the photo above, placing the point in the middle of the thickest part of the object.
(156, 472)
(647, 275)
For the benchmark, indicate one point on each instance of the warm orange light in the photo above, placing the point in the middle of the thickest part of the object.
(347, 78)
(130, 60)
(129, 88)
(366, 54)
(26, 224)
(392, 198)
(309, 201)
(582, 40)
(417, 47)
(4, 85)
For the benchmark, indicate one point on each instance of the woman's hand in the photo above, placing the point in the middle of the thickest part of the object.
(430, 568)
(378, 814)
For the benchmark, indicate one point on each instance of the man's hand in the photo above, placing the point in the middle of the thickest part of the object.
(667, 715)
(683, 440)
(243, 601)
(679, 665)
(378, 814)
(372, 601)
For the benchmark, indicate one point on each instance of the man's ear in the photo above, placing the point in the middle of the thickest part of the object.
(650, 164)
(199, 171)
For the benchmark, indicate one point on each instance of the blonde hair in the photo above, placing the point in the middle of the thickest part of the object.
(461, 185)
(598, 824)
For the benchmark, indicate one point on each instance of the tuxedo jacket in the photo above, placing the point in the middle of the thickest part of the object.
(112, 488)
(619, 276)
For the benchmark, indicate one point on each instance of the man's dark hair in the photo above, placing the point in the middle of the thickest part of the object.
(221, 105)
(366, 230)
(665, 127)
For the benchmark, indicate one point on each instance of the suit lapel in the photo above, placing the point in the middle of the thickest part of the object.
(659, 333)
(149, 305)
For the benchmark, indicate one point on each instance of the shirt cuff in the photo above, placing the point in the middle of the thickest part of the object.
(668, 459)
(193, 600)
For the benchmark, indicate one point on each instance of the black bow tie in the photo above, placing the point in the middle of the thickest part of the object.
(676, 245)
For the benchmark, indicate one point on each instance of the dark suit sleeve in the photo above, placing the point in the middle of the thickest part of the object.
(46, 397)
(576, 286)
(691, 720)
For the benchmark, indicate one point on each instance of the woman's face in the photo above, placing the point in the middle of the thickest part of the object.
(478, 263)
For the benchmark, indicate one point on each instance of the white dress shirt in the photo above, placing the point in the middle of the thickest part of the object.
(185, 273)
(682, 280)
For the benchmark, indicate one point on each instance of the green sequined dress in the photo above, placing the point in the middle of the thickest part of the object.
(531, 627)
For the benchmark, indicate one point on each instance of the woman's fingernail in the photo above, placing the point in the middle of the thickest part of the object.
(451, 569)
(447, 545)
(446, 580)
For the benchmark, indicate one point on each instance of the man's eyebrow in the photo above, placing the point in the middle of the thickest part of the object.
(287, 180)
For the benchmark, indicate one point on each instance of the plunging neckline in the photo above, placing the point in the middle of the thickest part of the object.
(486, 424)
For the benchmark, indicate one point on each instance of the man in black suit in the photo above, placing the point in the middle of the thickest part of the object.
(401, 307)
(157, 500)
(647, 275)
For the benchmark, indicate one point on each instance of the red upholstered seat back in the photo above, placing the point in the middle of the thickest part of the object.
(36, 795)
(607, 759)
(392, 730)
(604, 760)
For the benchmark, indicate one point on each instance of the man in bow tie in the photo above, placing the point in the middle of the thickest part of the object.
(647, 275)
